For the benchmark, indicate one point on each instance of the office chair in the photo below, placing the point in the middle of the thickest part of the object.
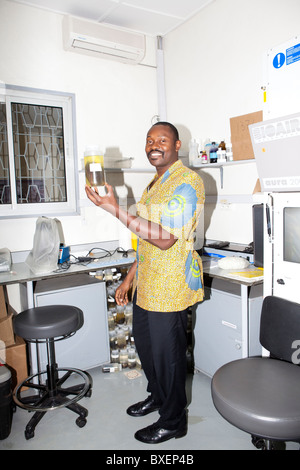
(47, 325)
(260, 395)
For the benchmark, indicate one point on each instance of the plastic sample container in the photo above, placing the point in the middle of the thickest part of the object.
(94, 166)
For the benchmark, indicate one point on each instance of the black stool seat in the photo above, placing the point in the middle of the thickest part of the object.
(46, 322)
(53, 388)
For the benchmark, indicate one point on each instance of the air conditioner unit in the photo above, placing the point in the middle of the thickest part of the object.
(103, 40)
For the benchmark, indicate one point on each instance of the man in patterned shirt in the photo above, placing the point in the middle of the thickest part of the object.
(166, 276)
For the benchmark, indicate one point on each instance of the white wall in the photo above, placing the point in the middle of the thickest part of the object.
(213, 68)
(115, 104)
(214, 71)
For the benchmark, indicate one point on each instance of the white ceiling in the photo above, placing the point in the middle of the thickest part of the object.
(152, 17)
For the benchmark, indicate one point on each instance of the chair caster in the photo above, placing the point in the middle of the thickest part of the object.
(29, 435)
(81, 422)
(265, 444)
(258, 442)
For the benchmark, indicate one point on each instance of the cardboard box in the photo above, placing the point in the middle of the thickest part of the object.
(257, 187)
(3, 309)
(240, 136)
(16, 360)
(6, 330)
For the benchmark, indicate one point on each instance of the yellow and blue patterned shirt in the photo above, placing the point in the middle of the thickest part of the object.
(171, 280)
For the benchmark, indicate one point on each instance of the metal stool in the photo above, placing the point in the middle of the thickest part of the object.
(46, 325)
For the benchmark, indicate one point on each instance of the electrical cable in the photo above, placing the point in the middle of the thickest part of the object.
(86, 260)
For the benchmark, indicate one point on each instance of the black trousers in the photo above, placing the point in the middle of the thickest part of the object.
(161, 342)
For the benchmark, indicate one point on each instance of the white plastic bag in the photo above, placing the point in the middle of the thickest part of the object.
(5, 259)
(43, 257)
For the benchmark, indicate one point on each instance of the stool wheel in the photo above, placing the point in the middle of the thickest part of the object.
(29, 435)
(81, 422)
(262, 444)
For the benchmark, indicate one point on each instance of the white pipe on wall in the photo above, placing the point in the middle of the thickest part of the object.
(162, 108)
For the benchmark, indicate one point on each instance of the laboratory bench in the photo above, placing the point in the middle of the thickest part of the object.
(21, 273)
(226, 323)
(75, 285)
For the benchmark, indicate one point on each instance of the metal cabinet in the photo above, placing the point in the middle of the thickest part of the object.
(219, 331)
(89, 347)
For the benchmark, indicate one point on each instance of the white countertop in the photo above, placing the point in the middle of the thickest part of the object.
(248, 276)
(20, 272)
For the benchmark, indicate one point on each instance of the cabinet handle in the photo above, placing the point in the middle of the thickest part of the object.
(230, 325)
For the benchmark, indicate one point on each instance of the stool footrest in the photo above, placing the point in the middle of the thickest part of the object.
(47, 400)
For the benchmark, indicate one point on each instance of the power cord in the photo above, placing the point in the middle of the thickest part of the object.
(86, 260)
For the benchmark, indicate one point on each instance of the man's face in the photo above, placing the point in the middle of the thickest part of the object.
(161, 147)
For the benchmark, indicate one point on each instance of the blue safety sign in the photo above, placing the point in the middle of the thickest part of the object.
(293, 54)
(279, 60)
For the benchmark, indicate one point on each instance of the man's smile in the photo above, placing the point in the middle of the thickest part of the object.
(155, 154)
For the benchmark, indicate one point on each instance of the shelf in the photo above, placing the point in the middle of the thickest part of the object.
(202, 166)
(221, 166)
(218, 165)
(130, 170)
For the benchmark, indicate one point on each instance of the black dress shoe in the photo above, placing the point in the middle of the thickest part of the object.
(154, 434)
(142, 408)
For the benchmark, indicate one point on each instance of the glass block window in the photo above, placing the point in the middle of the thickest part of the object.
(4, 161)
(39, 153)
(37, 175)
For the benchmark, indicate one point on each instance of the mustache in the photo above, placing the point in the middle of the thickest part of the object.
(155, 151)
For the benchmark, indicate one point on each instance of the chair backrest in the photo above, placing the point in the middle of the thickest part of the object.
(280, 328)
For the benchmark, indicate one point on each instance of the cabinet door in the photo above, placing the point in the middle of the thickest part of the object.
(217, 331)
(89, 347)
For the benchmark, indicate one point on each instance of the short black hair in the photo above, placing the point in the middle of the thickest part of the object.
(171, 126)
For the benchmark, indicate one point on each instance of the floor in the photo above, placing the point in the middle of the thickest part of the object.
(110, 428)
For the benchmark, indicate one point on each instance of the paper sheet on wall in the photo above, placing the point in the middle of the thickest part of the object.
(240, 136)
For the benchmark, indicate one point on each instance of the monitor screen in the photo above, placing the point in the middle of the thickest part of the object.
(291, 239)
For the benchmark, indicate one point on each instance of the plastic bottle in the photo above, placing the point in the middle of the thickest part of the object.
(115, 355)
(221, 153)
(94, 166)
(207, 146)
(204, 158)
(109, 277)
(120, 318)
(193, 151)
(121, 338)
(131, 358)
(124, 358)
(213, 153)
(113, 367)
(99, 275)
(229, 154)
(111, 320)
(113, 338)
(128, 314)
(126, 330)
(111, 301)
(222, 145)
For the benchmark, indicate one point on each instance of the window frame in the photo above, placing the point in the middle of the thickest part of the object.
(12, 94)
